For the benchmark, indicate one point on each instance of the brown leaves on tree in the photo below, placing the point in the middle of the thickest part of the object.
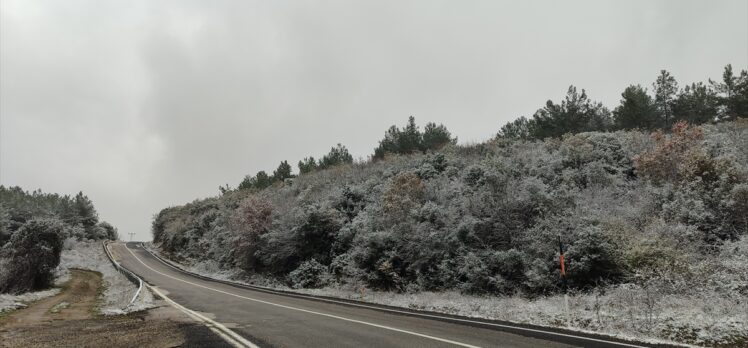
(669, 159)
(404, 192)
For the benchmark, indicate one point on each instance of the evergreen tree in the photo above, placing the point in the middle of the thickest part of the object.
(34, 253)
(665, 88)
(262, 180)
(696, 104)
(109, 231)
(732, 94)
(247, 182)
(517, 129)
(4, 224)
(435, 137)
(68, 212)
(637, 110)
(338, 155)
(388, 144)
(577, 113)
(87, 216)
(410, 139)
(283, 172)
(307, 165)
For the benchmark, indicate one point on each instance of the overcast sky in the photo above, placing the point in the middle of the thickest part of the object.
(146, 104)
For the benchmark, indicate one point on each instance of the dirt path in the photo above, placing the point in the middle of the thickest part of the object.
(75, 301)
(69, 319)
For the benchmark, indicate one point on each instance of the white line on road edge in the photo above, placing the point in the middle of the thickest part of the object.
(230, 336)
(425, 315)
(308, 311)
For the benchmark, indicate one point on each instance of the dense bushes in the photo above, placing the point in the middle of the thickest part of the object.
(485, 218)
(702, 188)
(32, 254)
(32, 228)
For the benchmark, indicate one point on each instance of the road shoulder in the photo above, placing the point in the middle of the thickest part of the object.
(70, 319)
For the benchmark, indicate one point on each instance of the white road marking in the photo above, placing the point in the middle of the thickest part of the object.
(442, 317)
(308, 311)
(230, 336)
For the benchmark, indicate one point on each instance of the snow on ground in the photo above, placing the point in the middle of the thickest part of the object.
(118, 290)
(620, 312)
(11, 302)
(625, 311)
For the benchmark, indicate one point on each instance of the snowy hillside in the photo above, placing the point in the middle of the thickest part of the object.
(653, 226)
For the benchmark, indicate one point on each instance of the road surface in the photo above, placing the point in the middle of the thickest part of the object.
(274, 320)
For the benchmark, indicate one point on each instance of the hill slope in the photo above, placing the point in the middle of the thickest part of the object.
(660, 218)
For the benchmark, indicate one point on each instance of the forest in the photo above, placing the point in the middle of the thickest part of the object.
(33, 227)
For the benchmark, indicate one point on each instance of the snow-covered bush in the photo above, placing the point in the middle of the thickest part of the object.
(251, 220)
(32, 254)
(309, 274)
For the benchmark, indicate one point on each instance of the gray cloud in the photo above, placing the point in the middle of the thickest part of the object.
(145, 104)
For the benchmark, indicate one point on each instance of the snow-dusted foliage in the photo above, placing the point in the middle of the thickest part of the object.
(118, 290)
(310, 274)
(32, 228)
(88, 255)
(650, 218)
(32, 254)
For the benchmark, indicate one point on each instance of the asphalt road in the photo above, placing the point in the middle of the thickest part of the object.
(274, 320)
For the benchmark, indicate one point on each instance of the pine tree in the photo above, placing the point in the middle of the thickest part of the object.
(410, 139)
(637, 110)
(262, 180)
(665, 88)
(338, 155)
(388, 144)
(696, 104)
(247, 182)
(86, 213)
(517, 129)
(307, 165)
(434, 137)
(4, 224)
(577, 113)
(283, 172)
(732, 94)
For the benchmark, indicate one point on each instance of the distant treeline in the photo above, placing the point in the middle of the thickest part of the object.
(696, 103)
(410, 139)
(33, 226)
(667, 104)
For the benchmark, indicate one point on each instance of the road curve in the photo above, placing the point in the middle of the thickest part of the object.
(276, 320)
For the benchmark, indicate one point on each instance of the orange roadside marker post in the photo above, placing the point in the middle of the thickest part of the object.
(561, 260)
(562, 263)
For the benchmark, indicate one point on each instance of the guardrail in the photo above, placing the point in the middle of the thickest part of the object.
(507, 326)
(129, 275)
